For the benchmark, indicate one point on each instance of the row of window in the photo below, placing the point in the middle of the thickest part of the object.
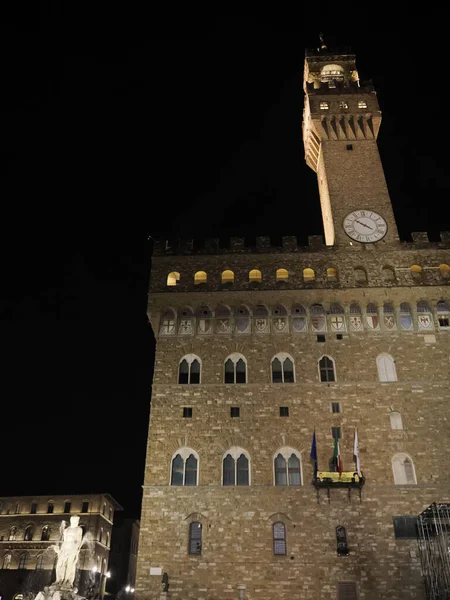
(281, 366)
(343, 104)
(41, 560)
(315, 319)
(30, 530)
(287, 467)
(308, 275)
(50, 508)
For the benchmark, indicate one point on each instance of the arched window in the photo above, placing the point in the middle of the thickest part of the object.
(372, 319)
(386, 368)
(308, 275)
(326, 369)
(280, 319)
(299, 319)
(360, 275)
(282, 275)
(6, 561)
(236, 467)
(173, 278)
(39, 562)
(279, 538)
(443, 314)
(287, 467)
(189, 369)
(337, 319)
(186, 321)
(242, 319)
(195, 538)
(100, 537)
(104, 566)
(200, 277)
(318, 318)
(389, 317)
(416, 271)
(255, 276)
(227, 277)
(28, 536)
(396, 420)
(235, 369)
(45, 535)
(424, 316)
(184, 467)
(332, 73)
(388, 274)
(167, 322)
(224, 323)
(107, 539)
(23, 560)
(282, 368)
(12, 533)
(50, 507)
(204, 320)
(332, 274)
(403, 468)
(261, 319)
(405, 316)
(445, 271)
(110, 513)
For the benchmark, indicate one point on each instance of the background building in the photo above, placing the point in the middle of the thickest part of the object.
(260, 344)
(123, 556)
(31, 525)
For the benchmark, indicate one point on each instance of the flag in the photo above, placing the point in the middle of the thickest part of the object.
(356, 453)
(337, 455)
(313, 453)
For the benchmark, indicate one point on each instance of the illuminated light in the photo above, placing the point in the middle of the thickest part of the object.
(94, 569)
(132, 590)
(108, 574)
(128, 589)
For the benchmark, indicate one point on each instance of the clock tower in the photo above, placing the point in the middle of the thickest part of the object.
(341, 121)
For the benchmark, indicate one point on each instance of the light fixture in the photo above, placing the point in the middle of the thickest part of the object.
(108, 574)
(128, 589)
(132, 590)
(94, 569)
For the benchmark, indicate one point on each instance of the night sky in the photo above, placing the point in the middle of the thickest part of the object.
(117, 127)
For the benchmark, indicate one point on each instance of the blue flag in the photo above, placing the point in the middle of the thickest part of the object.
(313, 454)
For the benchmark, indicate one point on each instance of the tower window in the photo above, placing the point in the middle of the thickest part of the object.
(349, 147)
(362, 104)
(195, 538)
(235, 369)
(236, 468)
(184, 468)
(279, 539)
(324, 106)
(282, 369)
(347, 590)
(235, 412)
(343, 104)
(173, 278)
(321, 338)
(287, 467)
(187, 412)
(200, 277)
(284, 411)
(336, 433)
(335, 407)
(67, 506)
(326, 369)
(189, 370)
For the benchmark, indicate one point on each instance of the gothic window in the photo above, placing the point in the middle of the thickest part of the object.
(28, 536)
(242, 320)
(195, 538)
(445, 271)
(85, 506)
(280, 319)
(337, 318)
(318, 318)
(173, 278)
(200, 277)
(324, 106)
(386, 368)
(186, 321)
(388, 274)
(224, 323)
(282, 275)
(235, 369)
(416, 272)
(12, 533)
(167, 322)
(45, 535)
(204, 320)
(443, 314)
(396, 420)
(189, 369)
(227, 277)
(389, 317)
(362, 104)
(236, 467)
(111, 513)
(50, 507)
(33, 508)
(405, 316)
(279, 538)
(184, 467)
(372, 319)
(326, 369)
(23, 560)
(100, 537)
(18, 508)
(39, 562)
(67, 506)
(360, 275)
(261, 319)
(403, 468)
(355, 317)
(287, 467)
(282, 368)
(255, 276)
(299, 319)
(308, 275)
(332, 274)
(6, 561)
(424, 316)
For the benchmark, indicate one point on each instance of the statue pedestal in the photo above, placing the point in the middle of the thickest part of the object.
(164, 596)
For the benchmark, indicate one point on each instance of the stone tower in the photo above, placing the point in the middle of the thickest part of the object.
(260, 347)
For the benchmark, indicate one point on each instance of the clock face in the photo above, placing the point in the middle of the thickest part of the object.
(365, 226)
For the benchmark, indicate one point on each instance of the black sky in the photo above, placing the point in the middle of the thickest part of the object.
(118, 126)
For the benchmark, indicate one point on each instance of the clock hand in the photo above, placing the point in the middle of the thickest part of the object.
(364, 225)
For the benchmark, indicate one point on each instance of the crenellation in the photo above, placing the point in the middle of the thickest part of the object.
(420, 237)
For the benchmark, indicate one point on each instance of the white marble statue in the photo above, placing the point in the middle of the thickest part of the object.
(68, 553)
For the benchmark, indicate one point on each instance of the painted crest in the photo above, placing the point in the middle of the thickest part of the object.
(280, 324)
(204, 326)
(223, 325)
(424, 321)
(318, 322)
(372, 321)
(185, 326)
(337, 323)
(242, 325)
(406, 321)
(261, 324)
(356, 323)
(299, 323)
(168, 327)
(389, 321)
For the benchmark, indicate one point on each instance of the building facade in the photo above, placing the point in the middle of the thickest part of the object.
(123, 556)
(260, 347)
(31, 525)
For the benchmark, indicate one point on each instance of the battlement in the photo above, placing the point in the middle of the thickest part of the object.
(338, 53)
(274, 245)
(339, 87)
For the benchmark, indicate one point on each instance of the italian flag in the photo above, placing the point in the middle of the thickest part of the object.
(337, 455)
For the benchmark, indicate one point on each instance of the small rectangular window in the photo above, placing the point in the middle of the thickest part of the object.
(284, 411)
(85, 507)
(67, 507)
(347, 590)
(50, 507)
(335, 407)
(336, 433)
(362, 104)
(349, 147)
(235, 411)
(320, 338)
(339, 336)
(405, 528)
(187, 412)
(33, 508)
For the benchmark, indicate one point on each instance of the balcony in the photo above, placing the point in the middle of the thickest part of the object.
(333, 480)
